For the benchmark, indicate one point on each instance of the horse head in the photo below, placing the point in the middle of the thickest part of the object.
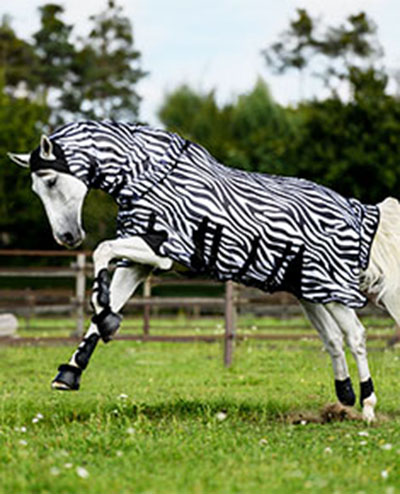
(61, 193)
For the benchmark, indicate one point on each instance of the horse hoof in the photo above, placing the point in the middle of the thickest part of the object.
(67, 379)
(368, 414)
(368, 406)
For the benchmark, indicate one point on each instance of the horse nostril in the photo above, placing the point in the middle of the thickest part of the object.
(67, 238)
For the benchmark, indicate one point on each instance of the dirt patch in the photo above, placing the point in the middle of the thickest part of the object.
(332, 412)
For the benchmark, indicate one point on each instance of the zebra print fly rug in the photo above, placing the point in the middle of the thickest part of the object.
(272, 232)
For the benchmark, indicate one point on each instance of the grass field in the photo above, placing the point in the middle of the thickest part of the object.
(168, 418)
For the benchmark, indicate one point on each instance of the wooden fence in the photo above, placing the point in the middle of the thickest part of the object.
(80, 270)
(230, 299)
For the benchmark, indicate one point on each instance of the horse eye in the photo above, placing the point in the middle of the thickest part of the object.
(51, 183)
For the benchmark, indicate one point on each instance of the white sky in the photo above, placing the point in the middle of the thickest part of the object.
(214, 44)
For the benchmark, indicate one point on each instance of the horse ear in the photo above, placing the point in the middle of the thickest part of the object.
(20, 159)
(46, 148)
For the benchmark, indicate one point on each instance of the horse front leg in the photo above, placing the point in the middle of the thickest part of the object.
(108, 299)
(123, 285)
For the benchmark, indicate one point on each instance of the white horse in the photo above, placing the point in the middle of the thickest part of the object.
(62, 193)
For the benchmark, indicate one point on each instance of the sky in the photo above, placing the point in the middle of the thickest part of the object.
(215, 44)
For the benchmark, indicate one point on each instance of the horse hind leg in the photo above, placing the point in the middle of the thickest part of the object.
(354, 333)
(332, 339)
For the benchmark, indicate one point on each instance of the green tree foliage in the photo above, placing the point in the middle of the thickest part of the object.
(261, 129)
(106, 69)
(90, 77)
(54, 51)
(18, 60)
(22, 223)
(337, 49)
(198, 117)
(249, 134)
(353, 146)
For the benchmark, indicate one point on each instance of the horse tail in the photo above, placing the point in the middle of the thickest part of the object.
(382, 276)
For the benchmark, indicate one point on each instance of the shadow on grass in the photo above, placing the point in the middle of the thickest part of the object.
(113, 412)
(180, 409)
(218, 410)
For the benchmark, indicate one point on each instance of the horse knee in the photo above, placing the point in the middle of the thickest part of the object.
(102, 254)
(335, 350)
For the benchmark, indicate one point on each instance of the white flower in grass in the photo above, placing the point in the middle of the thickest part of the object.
(363, 443)
(263, 442)
(363, 434)
(20, 429)
(36, 418)
(387, 447)
(384, 474)
(328, 450)
(130, 431)
(221, 416)
(82, 472)
(119, 453)
(123, 396)
(68, 465)
(54, 471)
(22, 442)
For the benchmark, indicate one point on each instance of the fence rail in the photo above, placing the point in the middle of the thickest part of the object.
(231, 299)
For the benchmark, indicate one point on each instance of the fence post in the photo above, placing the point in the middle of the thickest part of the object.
(80, 288)
(230, 322)
(146, 308)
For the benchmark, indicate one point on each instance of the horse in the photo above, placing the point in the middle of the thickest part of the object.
(179, 204)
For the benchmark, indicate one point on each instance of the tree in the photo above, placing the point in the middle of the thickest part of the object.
(54, 50)
(106, 69)
(250, 133)
(338, 49)
(21, 214)
(198, 117)
(18, 61)
(261, 129)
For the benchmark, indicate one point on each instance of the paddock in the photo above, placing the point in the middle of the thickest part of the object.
(164, 418)
(161, 395)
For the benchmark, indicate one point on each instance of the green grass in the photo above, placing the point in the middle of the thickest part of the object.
(246, 324)
(167, 435)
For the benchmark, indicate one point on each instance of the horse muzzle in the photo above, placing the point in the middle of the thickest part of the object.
(69, 239)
